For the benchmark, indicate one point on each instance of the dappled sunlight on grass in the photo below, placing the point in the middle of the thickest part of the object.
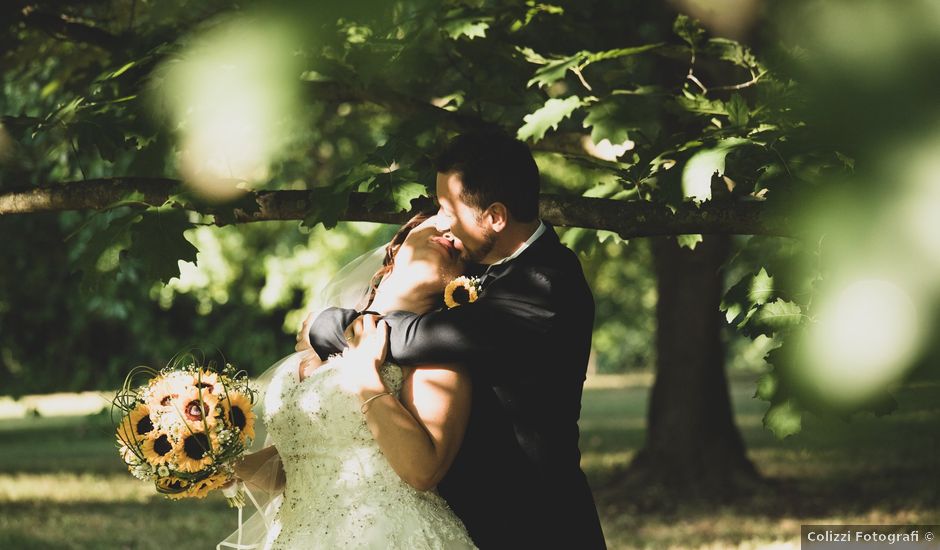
(618, 381)
(156, 525)
(721, 530)
(71, 487)
(55, 404)
(596, 464)
(62, 484)
(867, 470)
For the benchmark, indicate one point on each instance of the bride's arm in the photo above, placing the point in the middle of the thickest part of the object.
(421, 434)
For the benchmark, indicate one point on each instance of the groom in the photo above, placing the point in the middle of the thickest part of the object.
(517, 480)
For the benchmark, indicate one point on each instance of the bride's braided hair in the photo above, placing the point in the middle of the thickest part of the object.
(392, 249)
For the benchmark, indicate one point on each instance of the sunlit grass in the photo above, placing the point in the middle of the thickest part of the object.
(69, 487)
(62, 485)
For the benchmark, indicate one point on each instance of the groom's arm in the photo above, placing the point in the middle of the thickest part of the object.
(503, 319)
(493, 324)
(509, 315)
(327, 331)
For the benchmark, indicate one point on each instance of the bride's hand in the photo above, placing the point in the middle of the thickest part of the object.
(309, 362)
(303, 335)
(368, 338)
(368, 346)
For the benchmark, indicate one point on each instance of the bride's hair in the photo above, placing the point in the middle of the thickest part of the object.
(392, 249)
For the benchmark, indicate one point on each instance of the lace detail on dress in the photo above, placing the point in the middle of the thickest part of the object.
(341, 492)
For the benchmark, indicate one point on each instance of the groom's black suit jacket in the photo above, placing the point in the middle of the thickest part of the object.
(517, 481)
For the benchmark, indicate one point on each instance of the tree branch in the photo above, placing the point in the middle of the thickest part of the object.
(628, 219)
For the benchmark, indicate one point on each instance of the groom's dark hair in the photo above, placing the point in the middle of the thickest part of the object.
(494, 167)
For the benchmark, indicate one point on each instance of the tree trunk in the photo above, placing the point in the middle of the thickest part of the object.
(693, 447)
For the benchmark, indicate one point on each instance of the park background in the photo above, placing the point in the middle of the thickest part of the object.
(753, 190)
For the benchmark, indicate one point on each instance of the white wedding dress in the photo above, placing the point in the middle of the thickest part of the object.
(341, 492)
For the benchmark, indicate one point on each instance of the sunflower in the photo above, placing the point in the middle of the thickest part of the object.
(199, 489)
(173, 487)
(196, 451)
(159, 448)
(135, 425)
(460, 291)
(238, 414)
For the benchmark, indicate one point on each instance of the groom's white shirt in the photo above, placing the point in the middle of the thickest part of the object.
(538, 233)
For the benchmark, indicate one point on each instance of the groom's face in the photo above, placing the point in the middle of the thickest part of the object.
(465, 222)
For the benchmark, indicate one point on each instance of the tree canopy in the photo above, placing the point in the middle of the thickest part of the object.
(162, 118)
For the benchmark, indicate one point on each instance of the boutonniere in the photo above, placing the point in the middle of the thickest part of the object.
(462, 290)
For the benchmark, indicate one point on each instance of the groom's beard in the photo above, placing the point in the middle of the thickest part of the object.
(476, 255)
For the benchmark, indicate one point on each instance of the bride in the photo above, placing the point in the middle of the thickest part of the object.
(359, 444)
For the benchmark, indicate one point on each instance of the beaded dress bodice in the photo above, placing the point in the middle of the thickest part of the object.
(341, 492)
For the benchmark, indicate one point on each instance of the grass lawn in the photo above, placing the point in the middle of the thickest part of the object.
(62, 485)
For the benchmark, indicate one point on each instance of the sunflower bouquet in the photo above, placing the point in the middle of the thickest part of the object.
(186, 427)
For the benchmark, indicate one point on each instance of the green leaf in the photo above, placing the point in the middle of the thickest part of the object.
(697, 103)
(605, 119)
(738, 112)
(404, 193)
(733, 52)
(593, 57)
(469, 26)
(733, 311)
(735, 301)
(698, 172)
(532, 56)
(120, 71)
(776, 316)
(766, 387)
(688, 29)
(535, 9)
(603, 236)
(159, 244)
(761, 287)
(395, 190)
(555, 70)
(326, 206)
(547, 117)
(102, 252)
(783, 419)
(689, 241)
(108, 139)
(621, 117)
